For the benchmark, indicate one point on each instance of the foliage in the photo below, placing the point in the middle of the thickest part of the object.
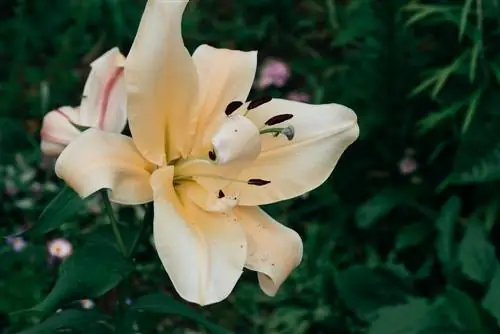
(386, 251)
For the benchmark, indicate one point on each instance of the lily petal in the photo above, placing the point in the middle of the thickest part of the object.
(57, 130)
(274, 250)
(104, 97)
(224, 76)
(162, 83)
(102, 160)
(202, 252)
(321, 134)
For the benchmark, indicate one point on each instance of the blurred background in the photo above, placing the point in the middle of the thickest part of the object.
(403, 239)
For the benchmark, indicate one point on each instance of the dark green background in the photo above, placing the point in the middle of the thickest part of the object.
(385, 253)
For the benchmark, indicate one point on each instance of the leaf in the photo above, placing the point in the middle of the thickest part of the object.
(445, 225)
(89, 273)
(163, 304)
(464, 309)
(65, 205)
(364, 290)
(471, 110)
(433, 119)
(476, 255)
(416, 317)
(463, 18)
(413, 235)
(491, 301)
(72, 321)
(486, 169)
(379, 205)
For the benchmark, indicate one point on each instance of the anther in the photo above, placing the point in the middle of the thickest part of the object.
(278, 119)
(212, 155)
(258, 102)
(288, 132)
(232, 107)
(258, 182)
(221, 194)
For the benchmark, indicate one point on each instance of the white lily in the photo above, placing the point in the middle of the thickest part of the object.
(103, 105)
(207, 159)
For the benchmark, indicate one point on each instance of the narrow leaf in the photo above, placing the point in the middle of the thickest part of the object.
(463, 18)
(445, 225)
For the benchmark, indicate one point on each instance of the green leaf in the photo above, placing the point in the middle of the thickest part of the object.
(433, 119)
(413, 235)
(380, 205)
(445, 225)
(463, 18)
(89, 273)
(72, 321)
(364, 290)
(416, 317)
(471, 110)
(464, 310)
(64, 206)
(476, 254)
(491, 301)
(486, 169)
(163, 304)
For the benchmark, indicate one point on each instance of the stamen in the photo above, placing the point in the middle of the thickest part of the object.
(258, 182)
(232, 107)
(288, 132)
(278, 119)
(221, 194)
(258, 102)
(212, 155)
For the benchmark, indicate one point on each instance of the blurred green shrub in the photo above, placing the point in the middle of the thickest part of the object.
(404, 238)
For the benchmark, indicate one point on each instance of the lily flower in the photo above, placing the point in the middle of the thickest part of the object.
(103, 106)
(208, 159)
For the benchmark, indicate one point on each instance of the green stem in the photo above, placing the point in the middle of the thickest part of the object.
(274, 131)
(114, 222)
(146, 222)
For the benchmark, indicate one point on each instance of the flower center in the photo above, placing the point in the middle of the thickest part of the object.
(235, 144)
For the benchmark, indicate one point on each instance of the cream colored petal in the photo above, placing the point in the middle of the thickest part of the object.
(104, 96)
(202, 252)
(57, 130)
(162, 83)
(321, 134)
(50, 148)
(102, 160)
(274, 250)
(224, 76)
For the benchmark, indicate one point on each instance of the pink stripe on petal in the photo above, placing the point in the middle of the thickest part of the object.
(108, 88)
(59, 111)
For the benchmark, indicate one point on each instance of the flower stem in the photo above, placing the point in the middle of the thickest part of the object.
(146, 222)
(114, 222)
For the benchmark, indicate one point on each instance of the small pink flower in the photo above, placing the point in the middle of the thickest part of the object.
(407, 166)
(274, 72)
(17, 243)
(298, 96)
(87, 303)
(60, 248)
